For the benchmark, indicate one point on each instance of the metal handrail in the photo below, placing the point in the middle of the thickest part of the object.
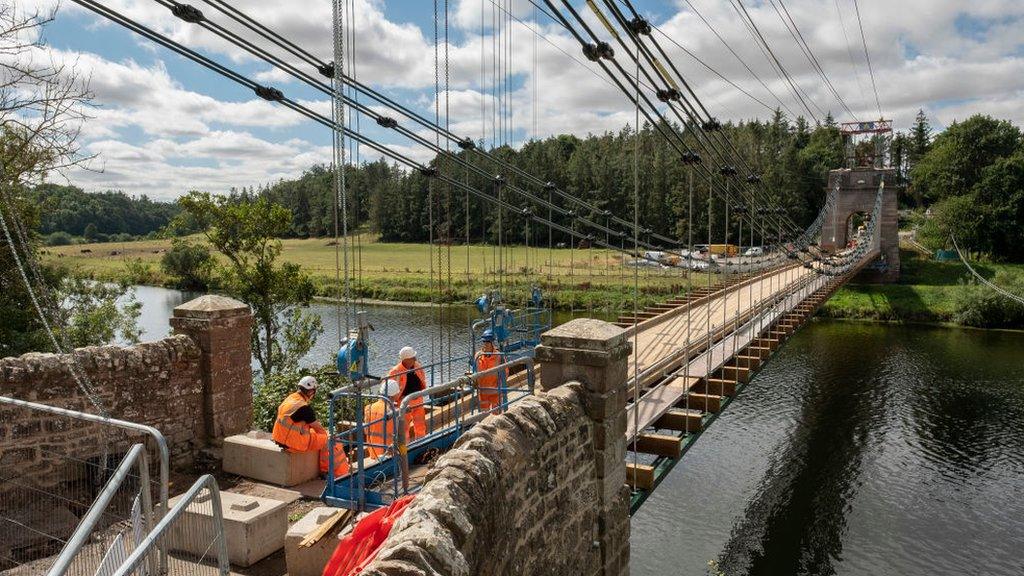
(157, 436)
(205, 481)
(136, 454)
(402, 449)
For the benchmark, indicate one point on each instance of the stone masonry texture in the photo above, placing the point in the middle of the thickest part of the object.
(194, 387)
(538, 490)
(517, 495)
(857, 193)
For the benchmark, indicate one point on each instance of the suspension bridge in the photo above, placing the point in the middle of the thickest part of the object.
(691, 354)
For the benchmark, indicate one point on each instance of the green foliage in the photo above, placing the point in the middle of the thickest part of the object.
(59, 239)
(957, 157)
(983, 307)
(246, 232)
(271, 389)
(792, 157)
(190, 263)
(138, 271)
(960, 216)
(111, 214)
(92, 314)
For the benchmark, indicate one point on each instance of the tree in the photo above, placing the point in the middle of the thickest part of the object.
(91, 314)
(1000, 196)
(41, 105)
(957, 157)
(191, 263)
(90, 233)
(246, 232)
(920, 138)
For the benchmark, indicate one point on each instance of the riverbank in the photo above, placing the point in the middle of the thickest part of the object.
(392, 272)
(931, 292)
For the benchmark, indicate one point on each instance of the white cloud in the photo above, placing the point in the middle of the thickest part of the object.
(950, 58)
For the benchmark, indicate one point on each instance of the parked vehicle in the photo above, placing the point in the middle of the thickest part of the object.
(754, 251)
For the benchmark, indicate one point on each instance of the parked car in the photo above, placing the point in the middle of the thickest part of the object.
(754, 251)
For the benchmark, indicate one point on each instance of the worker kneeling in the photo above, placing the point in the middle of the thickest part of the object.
(489, 387)
(411, 379)
(379, 420)
(297, 429)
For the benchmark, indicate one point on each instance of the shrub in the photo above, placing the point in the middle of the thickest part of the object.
(191, 264)
(138, 272)
(59, 238)
(983, 307)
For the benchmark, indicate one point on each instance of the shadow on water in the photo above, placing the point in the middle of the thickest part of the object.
(795, 522)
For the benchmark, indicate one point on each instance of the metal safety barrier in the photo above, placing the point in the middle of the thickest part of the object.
(77, 497)
(54, 463)
(193, 530)
(380, 451)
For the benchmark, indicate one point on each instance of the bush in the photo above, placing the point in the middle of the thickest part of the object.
(983, 307)
(138, 272)
(59, 239)
(190, 263)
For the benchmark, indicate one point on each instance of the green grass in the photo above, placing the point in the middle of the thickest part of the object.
(578, 279)
(925, 293)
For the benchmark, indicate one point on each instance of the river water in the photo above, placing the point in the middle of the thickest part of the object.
(859, 449)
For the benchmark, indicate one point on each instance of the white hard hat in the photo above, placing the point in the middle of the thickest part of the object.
(389, 388)
(406, 353)
(308, 383)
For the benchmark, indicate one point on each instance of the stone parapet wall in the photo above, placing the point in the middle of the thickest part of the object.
(539, 489)
(195, 387)
(154, 383)
(515, 496)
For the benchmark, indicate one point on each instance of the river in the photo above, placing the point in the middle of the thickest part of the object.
(859, 449)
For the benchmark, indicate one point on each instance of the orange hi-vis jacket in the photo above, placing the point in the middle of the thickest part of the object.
(378, 429)
(416, 417)
(341, 466)
(489, 385)
(296, 436)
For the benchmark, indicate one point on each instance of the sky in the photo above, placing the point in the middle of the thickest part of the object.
(161, 125)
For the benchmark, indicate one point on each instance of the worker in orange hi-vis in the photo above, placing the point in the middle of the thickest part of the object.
(411, 379)
(297, 429)
(379, 420)
(489, 386)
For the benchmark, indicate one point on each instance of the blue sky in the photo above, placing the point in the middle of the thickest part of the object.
(163, 125)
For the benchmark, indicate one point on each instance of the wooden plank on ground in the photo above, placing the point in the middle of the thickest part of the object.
(322, 530)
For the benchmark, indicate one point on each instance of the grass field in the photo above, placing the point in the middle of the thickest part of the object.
(402, 272)
(925, 292)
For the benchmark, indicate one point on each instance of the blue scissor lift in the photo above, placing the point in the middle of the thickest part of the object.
(451, 407)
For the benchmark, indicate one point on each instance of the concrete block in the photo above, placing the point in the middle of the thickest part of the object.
(310, 561)
(255, 455)
(254, 527)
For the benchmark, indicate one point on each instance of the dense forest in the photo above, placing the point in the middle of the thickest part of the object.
(101, 216)
(792, 159)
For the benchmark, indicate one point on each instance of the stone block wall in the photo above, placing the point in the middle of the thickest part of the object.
(155, 383)
(539, 489)
(195, 387)
(515, 496)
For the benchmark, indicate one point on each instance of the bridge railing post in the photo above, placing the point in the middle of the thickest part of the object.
(595, 354)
